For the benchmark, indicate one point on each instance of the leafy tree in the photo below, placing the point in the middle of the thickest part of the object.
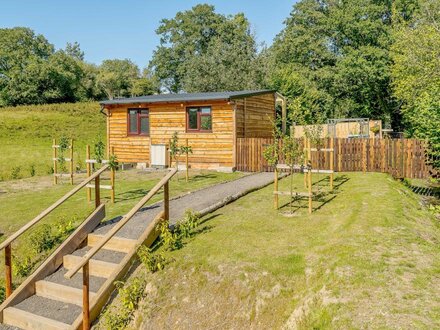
(74, 51)
(147, 84)
(201, 50)
(116, 77)
(416, 72)
(333, 56)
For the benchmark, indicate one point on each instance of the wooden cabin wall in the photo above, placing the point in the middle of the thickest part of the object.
(210, 150)
(254, 114)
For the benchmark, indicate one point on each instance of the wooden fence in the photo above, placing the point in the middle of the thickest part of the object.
(403, 158)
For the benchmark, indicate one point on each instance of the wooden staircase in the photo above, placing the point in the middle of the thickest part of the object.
(62, 293)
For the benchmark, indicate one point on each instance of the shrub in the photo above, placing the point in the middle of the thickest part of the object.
(152, 261)
(171, 240)
(22, 265)
(16, 173)
(32, 170)
(130, 295)
(42, 239)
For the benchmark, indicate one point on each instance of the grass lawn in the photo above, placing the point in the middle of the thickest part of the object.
(26, 134)
(22, 200)
(368, 257)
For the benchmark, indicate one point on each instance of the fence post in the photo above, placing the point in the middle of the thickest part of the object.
(305, 150)
(166, 201)
(86, 307)
(8, 270)
(55, 164)
(364, 155)
(112, 177)
(382, 152)
(275, 189)
(89, 173)
(309, 177)
(71, 161)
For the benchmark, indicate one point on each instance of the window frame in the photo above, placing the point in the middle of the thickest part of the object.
(199, 119)
(139, 115)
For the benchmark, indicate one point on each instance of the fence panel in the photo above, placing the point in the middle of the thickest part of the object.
(400, 157)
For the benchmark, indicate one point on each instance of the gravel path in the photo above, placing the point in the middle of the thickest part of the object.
(204, 201)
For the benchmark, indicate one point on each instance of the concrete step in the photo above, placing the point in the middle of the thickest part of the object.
(118, 244)
(96, 267)
(38, 312)
(60, 292)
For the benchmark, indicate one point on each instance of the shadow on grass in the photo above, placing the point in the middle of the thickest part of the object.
(131, 194)
(200, 177)
(323, 196)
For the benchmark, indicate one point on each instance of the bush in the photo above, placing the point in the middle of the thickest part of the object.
(32, 170)
(152, 261)
(16, 173)
(22, 265)
(130, 295)
(42, 239)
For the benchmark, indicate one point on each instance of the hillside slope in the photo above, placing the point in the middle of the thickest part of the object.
(26, 134)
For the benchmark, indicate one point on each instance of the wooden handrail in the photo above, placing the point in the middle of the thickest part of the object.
(47, 211)
(85, 259)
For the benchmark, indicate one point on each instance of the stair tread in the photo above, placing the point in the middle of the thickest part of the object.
(102, 255)
(61, 292)
(51, 309)
(95, 282)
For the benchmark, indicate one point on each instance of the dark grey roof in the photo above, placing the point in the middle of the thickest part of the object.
(187, 97)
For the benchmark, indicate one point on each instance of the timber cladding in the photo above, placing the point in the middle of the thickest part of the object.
(239, 117)
(254, 115)
(210, 149)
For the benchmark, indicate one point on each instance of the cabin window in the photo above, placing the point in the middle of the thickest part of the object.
(138, 122)
(198, 119)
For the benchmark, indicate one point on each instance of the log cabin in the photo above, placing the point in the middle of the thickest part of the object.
(139, 129)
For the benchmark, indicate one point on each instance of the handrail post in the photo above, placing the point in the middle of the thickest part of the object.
(166, 201)
(86, 305)
(97, 192)
(8, 270)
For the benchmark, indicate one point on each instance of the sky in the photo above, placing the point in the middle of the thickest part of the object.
(108, 29)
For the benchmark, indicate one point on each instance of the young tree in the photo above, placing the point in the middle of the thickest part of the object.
(314, 134)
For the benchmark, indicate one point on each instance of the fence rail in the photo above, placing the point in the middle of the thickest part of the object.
(403, 158)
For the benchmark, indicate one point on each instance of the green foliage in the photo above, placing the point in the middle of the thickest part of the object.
(16, 173)
(99, 151)
(272, 152)
(32, 170)
(173, 239)
(116, 77)
(113, 162)
(22, 265)
(63, 145)
(129, 297)
(201, 50)
(416, 73)
(152, 261)
(314, 134)
(42, 239)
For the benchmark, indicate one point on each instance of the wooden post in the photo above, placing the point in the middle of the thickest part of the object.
(382, 152)
(171, 157)
(89, 173)
(86, 308)
(186, 160)
(166, 201)
(309, 177)
(112, 178)
(275, 189)
(55, 162)
(332, 159)
(8, 270)
(71, 161)
(97, 193)
(306, 159)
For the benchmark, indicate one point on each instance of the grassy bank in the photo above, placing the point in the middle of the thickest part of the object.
(26, 134)
(366, 258)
